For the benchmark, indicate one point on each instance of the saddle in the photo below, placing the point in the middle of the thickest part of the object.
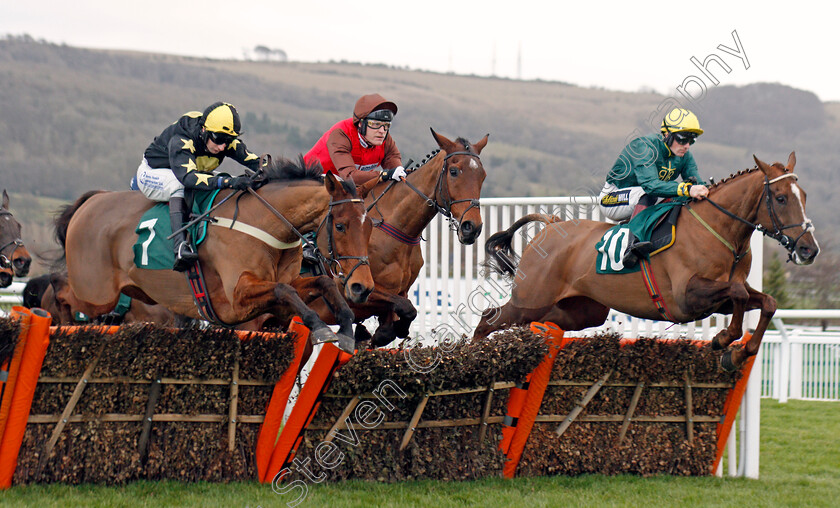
(665, 230)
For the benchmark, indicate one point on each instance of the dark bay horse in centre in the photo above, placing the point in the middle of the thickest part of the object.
(704, 272)
(447, 182)
(247, 268)
(14, 258)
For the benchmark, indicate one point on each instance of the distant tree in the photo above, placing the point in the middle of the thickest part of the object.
(263, 52)
(775, 282)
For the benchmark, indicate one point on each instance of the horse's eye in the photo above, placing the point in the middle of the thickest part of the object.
(340, 228)
(453, 170)
(781, 199)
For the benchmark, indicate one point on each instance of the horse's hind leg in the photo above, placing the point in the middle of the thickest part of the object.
(576, 313)
(496, 318)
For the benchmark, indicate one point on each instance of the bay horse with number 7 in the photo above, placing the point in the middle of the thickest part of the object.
(704, 272)
(248, 263)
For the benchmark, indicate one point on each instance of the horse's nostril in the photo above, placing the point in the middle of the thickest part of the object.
(467, 227)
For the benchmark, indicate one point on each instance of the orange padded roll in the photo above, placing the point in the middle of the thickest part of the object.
(37, 340)
(732, 405)
(534, 396)
(10, 369)
(277, 405)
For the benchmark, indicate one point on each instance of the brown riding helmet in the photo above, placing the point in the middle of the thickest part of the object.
(370, 103)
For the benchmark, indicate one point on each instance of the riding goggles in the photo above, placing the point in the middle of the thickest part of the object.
(376, 124)
(685, 138)
(220, 138)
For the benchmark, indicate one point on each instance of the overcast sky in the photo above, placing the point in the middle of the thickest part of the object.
(620, 45)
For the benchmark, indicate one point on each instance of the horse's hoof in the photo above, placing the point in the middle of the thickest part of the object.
(362, 334)
(716, 344)
(322, 336)
(346, 344)
(727, 363)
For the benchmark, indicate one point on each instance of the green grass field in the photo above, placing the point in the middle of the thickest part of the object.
(800, 466)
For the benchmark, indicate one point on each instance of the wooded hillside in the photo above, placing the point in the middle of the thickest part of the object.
(75, 119)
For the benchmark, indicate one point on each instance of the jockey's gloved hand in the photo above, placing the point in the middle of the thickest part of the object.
(236, 182)
(397, 173)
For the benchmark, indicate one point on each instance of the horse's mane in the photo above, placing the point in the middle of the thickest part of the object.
(748, 171)
(732, 177)
(287, 170)
(429, 156)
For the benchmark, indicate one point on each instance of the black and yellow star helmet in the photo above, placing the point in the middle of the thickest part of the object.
(222, 118)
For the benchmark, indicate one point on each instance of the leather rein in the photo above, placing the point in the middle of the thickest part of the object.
(444, 208)
(326, 262)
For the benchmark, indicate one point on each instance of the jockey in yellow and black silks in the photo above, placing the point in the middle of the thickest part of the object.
(183, 158)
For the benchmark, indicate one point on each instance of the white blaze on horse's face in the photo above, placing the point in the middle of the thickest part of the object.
(362, 218)
(807, 224)
(473, 164)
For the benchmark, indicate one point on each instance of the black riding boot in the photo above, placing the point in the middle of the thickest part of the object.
(635, 250)
(185, 257)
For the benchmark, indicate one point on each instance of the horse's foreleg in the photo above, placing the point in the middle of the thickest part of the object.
(312, 288)
(386, 306)
(253, 296)
(702, 294)
(767, 304)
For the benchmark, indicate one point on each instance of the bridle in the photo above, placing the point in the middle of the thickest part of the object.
(326, 262)
(6, 262)
(777, 233)
(444, 206)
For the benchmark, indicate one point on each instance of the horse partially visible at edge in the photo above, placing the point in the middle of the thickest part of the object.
(14, 258)
(247, 274)
(704, 272)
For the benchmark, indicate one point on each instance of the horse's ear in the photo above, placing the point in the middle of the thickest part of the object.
(443, 142)
(762, 166)
(330, 182)
(363, 190)
(479, 145)
(5, 199)
(791, 161)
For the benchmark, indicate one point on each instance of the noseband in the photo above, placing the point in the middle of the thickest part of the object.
(6, 262)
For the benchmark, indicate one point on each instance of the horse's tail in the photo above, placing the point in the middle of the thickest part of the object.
(65, 213)
(34, 290)
(500, 255)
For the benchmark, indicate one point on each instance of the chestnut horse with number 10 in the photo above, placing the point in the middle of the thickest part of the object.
(704, 272)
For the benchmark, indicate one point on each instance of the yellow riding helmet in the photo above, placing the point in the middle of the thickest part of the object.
(681, 120)
(222, 117)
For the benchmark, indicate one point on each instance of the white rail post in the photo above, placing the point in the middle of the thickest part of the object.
(751, 406)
